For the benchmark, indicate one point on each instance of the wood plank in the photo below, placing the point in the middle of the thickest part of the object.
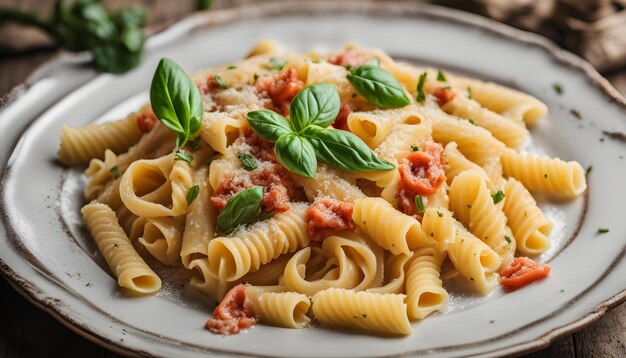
(606, 338)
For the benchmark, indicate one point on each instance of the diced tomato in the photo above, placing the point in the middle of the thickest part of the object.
(521, 272)
(146, 119)
(278, 189)
(406, 203)
(421, 172)
(351, 57)
(341, 122)
(327, 216)
(444, 95)
(280, 88)
(234, 314)
(260, 148)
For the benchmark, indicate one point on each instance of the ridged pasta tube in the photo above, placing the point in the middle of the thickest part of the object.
(394, 275)
(328, 182)
(127, 266)
(424, 289)
(475, 261)
(473, 205)
(162, 237)
(438, 224)
(80, 145)
(281, 309)
(500, 99)
(456, 163)
(383, 313)
(389, 228)
(220, 130)
(199, 221)
(506, 130)
(230, 258)
(542, 173)
(374, 126)
(530, 227)
(99, 174)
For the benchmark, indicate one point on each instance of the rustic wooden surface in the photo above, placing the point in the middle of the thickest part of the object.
(28, 332)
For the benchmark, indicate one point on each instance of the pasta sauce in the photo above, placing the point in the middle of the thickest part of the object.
(146, 119)
(522, 272)
(234, 314)
(421, 173)
(327, 216)
(444, 95)
(280, 88)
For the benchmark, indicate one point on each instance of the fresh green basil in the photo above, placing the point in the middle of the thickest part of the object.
(247, 161)
(176, 101)
(296, 154)
(419, 204)
(378, 86)
(267, 124)
(184, 156)
(344, 150)
(317, 104)
(241, 209)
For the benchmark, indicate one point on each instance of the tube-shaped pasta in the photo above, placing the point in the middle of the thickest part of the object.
(99, 174)
(530, 227)
(282, 309)
(543, 173)
(328, 182)
(475, 261)
(473, 205)
(199, 221)
(383, 313)
(127, 266)
(80, 145)
(162, 237)
(438, 224)
(230, 258)
(394, 275)
(374, 126)
(506, 130)
(424, 289)
(457, 163)
(389, 228)
(220, 130)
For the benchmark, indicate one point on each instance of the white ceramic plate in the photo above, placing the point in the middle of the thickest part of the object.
(46, 255)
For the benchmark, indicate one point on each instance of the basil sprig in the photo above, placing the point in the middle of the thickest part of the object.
(304, 139)
(241, 209)
(378, 86)
(176, 101)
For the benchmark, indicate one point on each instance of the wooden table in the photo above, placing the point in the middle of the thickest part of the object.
(28, 332)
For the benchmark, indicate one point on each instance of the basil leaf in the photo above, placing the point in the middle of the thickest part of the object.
(421, 96)
(267, 124)
(316, 104)
(296, 154)
(241, 209)
(378, 86)
(247, 161)
(176, 101)
(344, 150)
(192, 194)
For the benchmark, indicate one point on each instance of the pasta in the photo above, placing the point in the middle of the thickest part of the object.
(341, 187)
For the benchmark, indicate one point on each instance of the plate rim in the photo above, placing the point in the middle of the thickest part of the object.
(218, 17)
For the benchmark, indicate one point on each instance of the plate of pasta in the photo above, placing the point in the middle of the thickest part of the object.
(306, 179)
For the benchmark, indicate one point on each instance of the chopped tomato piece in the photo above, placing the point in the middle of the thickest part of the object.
(406, 203)
(234, 314)
(260, 148)
(280, 88)
(349, 58)
(422, 172)
(327, 216)
(521, 272)
(278, 189)
(444, 95)
(146, 119)
(341, 122)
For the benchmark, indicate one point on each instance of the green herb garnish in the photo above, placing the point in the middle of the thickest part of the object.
(558, 88)
(602, 230)
(115, 171)
(419, 204)
(304, 139)
(414, 148)
(439, 213)
(378, 86)
(469, 92)
(421, 96)
(248, 161)
(241, 209)
(176, 101)
(508, 239)
(231, 67)
(192, 194)
(589, 168)
(223, 85)
(276, 63)
(441, 77)
(498, 196)
(184, 156)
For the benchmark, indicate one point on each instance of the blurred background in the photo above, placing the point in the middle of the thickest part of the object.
(113, 31)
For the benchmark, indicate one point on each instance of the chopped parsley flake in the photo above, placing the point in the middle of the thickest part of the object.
(192, 194)
(602, 230)
(115, 171)
(419, 204)
(441, 77)
(589, 169)
(469, 206)
(558, 88)
(545, 175)
(421, 96)
(115, 246)
(255, 77)
(276, 63)
(414, 148)
(231, 67)
(498, 196)
(508, 239)
(223, 85)
(439, 213)
(472, 121)
(248, 161)
(469, 92)
(193, 146)
(184, 156)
